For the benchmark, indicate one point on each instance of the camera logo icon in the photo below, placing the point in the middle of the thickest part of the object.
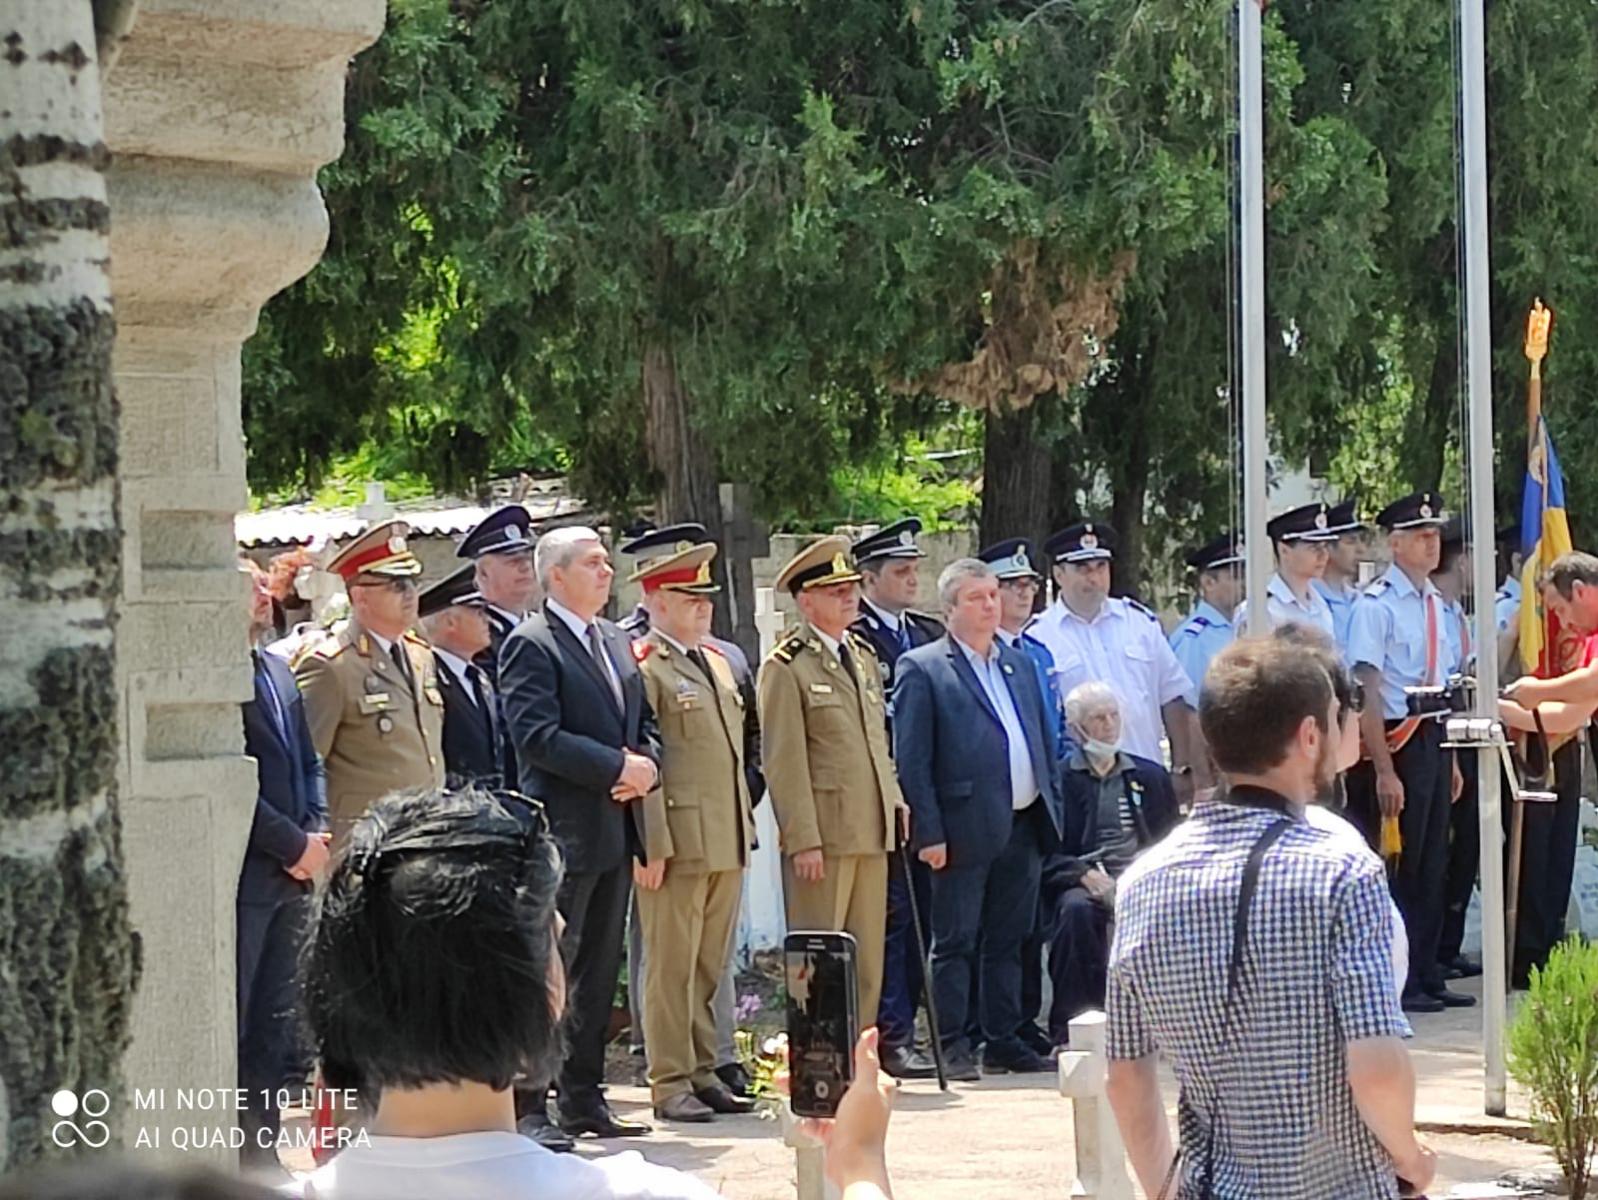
(94, 1132)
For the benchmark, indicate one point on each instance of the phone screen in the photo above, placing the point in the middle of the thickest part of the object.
(823, 1021)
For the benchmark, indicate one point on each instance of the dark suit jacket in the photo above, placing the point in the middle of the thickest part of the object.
(1154, 812)
(291, 800)
(500, 627)
(475, 747)
(568, 734)
(952, 757)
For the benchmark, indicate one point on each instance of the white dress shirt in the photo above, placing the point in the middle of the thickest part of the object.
(1124, 647)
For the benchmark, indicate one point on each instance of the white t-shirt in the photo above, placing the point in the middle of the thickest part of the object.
(1339, 827)
(489, 1166)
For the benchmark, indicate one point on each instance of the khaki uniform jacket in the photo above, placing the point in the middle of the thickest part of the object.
(375, 734)
(824, 741)
(700, 814)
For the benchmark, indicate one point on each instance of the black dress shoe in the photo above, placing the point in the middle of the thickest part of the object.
(960, 1067)
(684, 1107)
(1420, 1002)
(719, 1099)
(906, 1062)
(735, 1077)
(597, 1120)
(1468, 968)
(1449, 999)
(1014, 1060)
(537, 1127)
(1034, 1039)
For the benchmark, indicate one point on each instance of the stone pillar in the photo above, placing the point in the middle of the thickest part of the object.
(1101, 1171)
(219, 114)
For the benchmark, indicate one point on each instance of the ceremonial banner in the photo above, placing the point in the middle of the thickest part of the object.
(1545, 649)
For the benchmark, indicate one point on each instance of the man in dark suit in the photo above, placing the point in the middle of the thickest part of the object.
(286, 850)
(889, 565)
(587, 746)
(1116, 806)
(455, 619)
(975, 757)
(501, 549)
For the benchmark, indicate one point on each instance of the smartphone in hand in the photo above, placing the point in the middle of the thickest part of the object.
(823, 1019)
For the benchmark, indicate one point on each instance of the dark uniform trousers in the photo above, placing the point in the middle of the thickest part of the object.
(1426, 770)
(1079, 959)
(1464, 858)
(271, 1054)
(594, 904)
(1547, 863)
(981, 915)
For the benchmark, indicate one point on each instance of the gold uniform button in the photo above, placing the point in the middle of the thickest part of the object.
(431, 761)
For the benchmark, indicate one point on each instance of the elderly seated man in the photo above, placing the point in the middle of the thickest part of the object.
(1116, 805)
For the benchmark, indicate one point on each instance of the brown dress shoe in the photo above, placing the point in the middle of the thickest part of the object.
(719, 1098)
(684, 1106)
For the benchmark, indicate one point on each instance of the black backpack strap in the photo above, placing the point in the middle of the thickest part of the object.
(1234, 970)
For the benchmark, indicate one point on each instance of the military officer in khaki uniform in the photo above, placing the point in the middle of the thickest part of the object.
(837, 800)
(698, 831)
(371, 694)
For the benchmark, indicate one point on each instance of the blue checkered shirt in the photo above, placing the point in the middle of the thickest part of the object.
(1317, 975)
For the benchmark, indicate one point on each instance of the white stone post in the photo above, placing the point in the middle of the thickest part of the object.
(809, 1158)
(1101, 1172)
(219, 115)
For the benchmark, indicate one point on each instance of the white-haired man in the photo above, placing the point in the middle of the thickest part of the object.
(587, 746)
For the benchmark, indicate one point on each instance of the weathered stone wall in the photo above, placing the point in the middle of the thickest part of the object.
(218, 113)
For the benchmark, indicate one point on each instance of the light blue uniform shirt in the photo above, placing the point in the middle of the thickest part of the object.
(1506, 607)
(1283, 608)
(1342, 605)
(1199, 639)
(990, 674)
(1389, 633)
(1454, 631)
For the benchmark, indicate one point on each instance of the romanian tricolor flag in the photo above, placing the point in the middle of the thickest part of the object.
(1544, 536)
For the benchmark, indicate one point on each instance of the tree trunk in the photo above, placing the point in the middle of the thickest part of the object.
(1017, 474)
(681, 457)
(1131, 489)
(69, 962)
(1436, 411)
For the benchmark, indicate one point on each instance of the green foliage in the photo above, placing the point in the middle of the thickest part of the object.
(808, 203)
(1553, 1051)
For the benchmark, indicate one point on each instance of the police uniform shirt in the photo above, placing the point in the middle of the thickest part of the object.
(894, 624)
(1389, 633)
(457, 667)
(1282, 607)
(1341, 602)
(1506, 606)
(1124, 647)
(1198, 640)
(1456, 632)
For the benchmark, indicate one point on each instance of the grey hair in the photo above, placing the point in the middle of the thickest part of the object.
(1095, 693)
(956, 573)
(558, 547)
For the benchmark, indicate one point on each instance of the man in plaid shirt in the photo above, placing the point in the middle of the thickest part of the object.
(1301, 1085)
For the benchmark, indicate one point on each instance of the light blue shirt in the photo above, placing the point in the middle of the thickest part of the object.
(1454, 630)
(990, 673)
(1199, 639)
(1341, 603)
(1389, 633)
(1506, 607)
(1283, 608)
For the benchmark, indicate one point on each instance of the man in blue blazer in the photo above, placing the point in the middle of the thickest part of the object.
(975, 755)
(287, 848)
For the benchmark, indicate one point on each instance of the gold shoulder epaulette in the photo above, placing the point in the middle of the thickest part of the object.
(788, 647)
(862, 645)
(322, 647)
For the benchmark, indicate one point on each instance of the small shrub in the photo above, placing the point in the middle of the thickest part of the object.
(1553, 1051)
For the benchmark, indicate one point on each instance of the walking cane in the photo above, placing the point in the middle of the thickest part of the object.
(926, 969)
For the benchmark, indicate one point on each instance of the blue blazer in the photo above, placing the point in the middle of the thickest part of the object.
(952, 758)
(291, 796)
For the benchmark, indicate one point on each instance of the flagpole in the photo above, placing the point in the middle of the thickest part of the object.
(1251, 217)
(1473, 92)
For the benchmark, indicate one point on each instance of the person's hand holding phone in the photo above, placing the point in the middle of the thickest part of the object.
(857, 1138)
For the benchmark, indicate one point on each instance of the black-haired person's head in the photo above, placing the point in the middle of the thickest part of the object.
(434, 942)
(1266, 711)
